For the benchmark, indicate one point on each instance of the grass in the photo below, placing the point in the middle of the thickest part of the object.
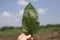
(49, 29)
(17, 31)
(10, 32)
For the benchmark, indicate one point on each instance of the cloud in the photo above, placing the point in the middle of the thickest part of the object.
(22, 2)
(9, 19)
(6, 14)
(21, 12)
(34, 0)
(42, 10)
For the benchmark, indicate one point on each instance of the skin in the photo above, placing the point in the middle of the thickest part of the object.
(24, 37)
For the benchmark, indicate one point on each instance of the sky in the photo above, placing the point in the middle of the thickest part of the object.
(11, 11)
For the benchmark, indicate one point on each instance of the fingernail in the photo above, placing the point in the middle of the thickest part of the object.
(29, 35)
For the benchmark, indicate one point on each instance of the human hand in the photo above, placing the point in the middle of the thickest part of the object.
(25, 37)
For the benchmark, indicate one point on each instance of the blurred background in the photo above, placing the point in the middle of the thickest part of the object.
(11, 12)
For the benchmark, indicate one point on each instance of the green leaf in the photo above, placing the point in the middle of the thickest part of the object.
(30, 21)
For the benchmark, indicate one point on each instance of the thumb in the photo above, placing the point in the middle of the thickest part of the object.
(29, 36)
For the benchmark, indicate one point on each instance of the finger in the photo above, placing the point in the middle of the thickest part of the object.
(29, 36)
(21, 35)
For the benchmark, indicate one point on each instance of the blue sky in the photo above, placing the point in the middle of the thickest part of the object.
(11, 11)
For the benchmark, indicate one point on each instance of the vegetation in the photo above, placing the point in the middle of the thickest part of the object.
(10, 30)
(49, 28)
(16, 30)
(30, 21)
(30, 24)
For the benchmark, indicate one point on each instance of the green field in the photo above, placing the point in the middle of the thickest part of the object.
(18, 30)
(49, 29)
(10, 32)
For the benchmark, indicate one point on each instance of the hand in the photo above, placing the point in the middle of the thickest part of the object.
(24, 37)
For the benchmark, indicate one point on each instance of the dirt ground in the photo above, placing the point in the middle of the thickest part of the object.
(39, 36)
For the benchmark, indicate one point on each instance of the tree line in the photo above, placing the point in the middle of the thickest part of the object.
(12, 27)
